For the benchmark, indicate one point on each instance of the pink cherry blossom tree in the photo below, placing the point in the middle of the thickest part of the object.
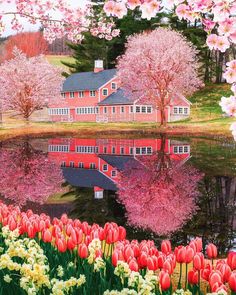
(28, 84)
(159, 194)
(27, 174)
(157, 66)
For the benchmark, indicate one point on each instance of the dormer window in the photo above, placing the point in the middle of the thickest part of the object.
(72, 94)
(105, 91)
(92, 93)
(63, 94)
(113, 86)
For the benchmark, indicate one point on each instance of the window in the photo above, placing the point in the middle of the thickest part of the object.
(186, 149)
(185, 111)
(81, 93)
(63, 164)
(122, 109)
(113, 110)
(149, 109)
(144, 109)
(181, 149)
(105, 150)
(131, 151)
(63, 95)
(92, 166)
(122, 151)
(86, 149)
(58, 148)
(72, 164)
(86, 110)
(92, 93)
(72, 94)
(113, 150)
(175, 110)
(137, 109)
(113, 173)
(180, 110)
(58, 111)
(113, 85)
(105, 110)
(105, 91)
(131, 109)
(105, 167)
(81, 165)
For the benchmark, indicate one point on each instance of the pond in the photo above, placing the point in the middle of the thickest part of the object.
(156, 187)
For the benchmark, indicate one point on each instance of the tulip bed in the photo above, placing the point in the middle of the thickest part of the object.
(64, 256)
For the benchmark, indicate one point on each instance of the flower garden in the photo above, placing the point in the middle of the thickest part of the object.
(65, 256)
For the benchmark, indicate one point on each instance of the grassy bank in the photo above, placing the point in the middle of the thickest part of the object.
(206, 120)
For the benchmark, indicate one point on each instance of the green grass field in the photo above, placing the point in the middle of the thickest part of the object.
(56, 60)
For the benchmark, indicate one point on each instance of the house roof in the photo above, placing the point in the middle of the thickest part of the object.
(117, 97)
(119, 162)
(87, 178)
(87, 80)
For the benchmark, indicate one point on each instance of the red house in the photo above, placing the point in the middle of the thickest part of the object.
(97, 97)
(96, 163)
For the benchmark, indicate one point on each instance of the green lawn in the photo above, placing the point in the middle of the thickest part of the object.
(56, 60)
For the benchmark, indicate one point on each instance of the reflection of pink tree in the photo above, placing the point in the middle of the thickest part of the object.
(28, 175)
(158, 197)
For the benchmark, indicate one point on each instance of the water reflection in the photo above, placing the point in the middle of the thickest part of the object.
(155, 187)
(27, 174)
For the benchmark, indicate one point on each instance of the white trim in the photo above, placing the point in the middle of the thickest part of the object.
(92, 91)
(115, 86)
(107, 83)
(106, 90)
(183, 113)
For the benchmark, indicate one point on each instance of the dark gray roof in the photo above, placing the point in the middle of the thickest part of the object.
(87, 80)
(117, 97)
(120, 162)
(87, 178)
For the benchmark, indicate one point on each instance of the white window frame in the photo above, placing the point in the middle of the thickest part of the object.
(72, 94)
(106, 89)
(181, 149)
(113, 84)
(81, 94)
(81, 165)
(104, 110)
(122, 108)
(92, 93)
(131, 108)
(92, 166)
(122, 149)
(72, 164)
(87, 110)
(63, 95)
(103, 168)
(58, 111)
(113, 110)
(180, 110)
(113, 173)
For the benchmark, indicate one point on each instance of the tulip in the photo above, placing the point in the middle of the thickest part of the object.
(160, 261)
(193, 277)
(83, 250)
(166, 247)
(61, 245)
(70, 244)
(128, 252)
(198, 261)
(150, 264)
(205, 273)
(47, 236)
(211, 251)
(114, 258)
(232, 281)
(122, 233)
(143, 259)
(231, 260)
(133, 265)
(180, 254)
(165, 281)
(189, 254)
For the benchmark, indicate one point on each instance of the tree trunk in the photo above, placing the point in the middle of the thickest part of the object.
(163, 117)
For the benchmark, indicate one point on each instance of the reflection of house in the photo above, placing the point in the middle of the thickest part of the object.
(97, 97)
(95, 163)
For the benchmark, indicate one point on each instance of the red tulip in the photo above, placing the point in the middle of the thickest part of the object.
(133, 265)
(143, 259)
(70, 244)
(166, 247)
(205, 273)
(224, 269)
(165, 281)
(114, 258)
(193, 277)
(83, 250)
(232, 281)
(189, 254)
(231, 260)
(64, 218)
(47, 236)
(136, 250)
(198, 244)
(215, 277)
(61, 245)
(122, 233)
(31, 231)
(128, 252)
(211, 251)
(180, 254)
(160, 261)
(12, 223)
(151, 264)
(167, 266)
(198, 261)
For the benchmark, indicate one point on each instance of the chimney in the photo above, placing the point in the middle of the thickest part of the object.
(98, 192)
(98, 66)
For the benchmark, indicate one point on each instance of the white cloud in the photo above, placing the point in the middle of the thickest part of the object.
(29, 27)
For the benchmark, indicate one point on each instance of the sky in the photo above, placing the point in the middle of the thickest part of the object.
(27, 26)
